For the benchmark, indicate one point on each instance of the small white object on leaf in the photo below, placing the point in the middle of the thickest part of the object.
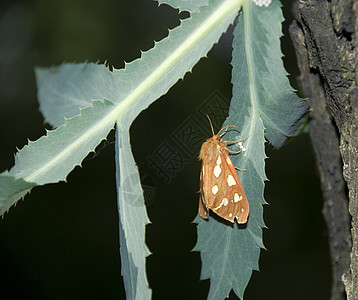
(261, 3)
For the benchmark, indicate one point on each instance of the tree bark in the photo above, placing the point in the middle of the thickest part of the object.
(325, 39)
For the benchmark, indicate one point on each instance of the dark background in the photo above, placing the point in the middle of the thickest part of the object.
(61, 242)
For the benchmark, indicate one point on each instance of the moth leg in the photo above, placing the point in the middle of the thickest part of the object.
(226, 129)
(243, 170)
(233, 142)
(234, 152)
(242, 148)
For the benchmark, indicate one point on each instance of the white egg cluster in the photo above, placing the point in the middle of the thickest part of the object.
(242, 148)
(260, 3)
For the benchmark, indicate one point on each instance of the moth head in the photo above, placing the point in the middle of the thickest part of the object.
(221, 132)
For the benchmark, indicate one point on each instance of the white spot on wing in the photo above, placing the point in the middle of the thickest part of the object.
(237, 198)
(230, 215)
(228, 160)
(223, 202)
(217, 170)
(218, 162)
(242, 210)
(215, 189)
(230, 180)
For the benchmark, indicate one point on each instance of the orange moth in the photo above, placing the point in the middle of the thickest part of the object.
(220, 187)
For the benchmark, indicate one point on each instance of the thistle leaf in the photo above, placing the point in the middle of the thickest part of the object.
(133, 219)
(12, 189)
(263, 105)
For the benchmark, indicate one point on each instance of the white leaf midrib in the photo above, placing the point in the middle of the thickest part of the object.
(255, 113)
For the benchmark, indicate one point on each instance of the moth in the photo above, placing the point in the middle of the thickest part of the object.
(220, 188)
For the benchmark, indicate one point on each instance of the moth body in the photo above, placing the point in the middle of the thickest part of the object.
(220, 188)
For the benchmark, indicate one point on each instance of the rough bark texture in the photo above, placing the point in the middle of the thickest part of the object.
(325, 39)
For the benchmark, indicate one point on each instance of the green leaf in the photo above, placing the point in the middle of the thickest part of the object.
(133, 219)
(52, 157)
(259, 77)
(12, 189)
(63, 90)
(263, 105)
(230, 253)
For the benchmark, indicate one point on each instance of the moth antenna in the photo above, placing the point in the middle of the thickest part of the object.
(212, 129)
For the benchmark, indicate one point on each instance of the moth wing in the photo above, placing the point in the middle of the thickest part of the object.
(203, 211)
(230, 201)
